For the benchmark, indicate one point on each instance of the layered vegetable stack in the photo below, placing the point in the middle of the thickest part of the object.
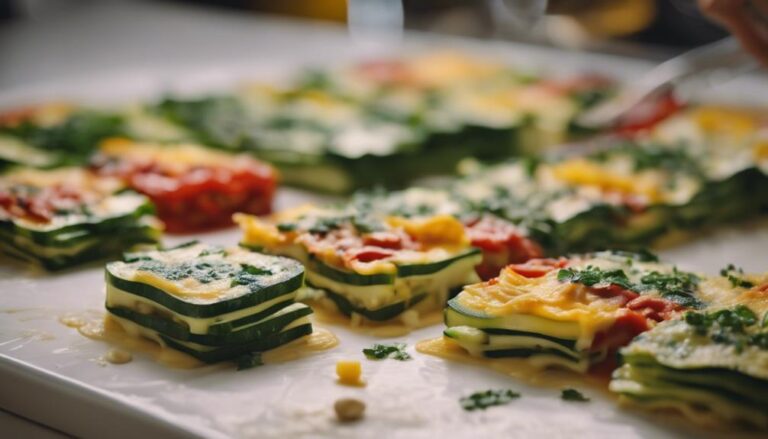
(210, 302)
(68, 216)
(712, 366)
(377, 268)
(569, 312)
(626, 195)
(53, 135)
(194, 188)
(388, 122)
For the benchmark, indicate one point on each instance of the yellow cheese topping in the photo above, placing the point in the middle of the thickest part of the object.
(438, 230)
(444, 69)
(349, 373)
(760, 150)
(178, 157)
(257, 231)
(544, 297)
(725, 121)
(582, 172)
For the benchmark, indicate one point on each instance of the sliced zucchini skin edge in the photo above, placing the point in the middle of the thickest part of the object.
(233, 351)
(179, 332)
(205, 310)
(381, 314)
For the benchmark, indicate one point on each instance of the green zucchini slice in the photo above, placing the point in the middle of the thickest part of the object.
(707, 364)
(210, 302)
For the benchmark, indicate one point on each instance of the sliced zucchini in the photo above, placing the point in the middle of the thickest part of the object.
(211, 302)
(410, 285)
(706, 365)
(543, 342)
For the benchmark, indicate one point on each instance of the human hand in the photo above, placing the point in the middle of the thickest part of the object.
(747, 20)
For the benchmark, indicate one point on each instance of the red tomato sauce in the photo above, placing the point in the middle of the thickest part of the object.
(204, 197)
(39, 205)
(502, 244)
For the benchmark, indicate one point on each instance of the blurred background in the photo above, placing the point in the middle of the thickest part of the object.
(651, 28)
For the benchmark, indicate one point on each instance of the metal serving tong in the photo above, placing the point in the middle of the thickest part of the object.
(700, 67)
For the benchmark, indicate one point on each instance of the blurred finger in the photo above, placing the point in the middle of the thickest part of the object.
(743, 21)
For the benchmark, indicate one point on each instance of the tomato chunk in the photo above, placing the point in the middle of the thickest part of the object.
(648, 114)
(614, 290)
(654, 308)
(198, 196)
(502, 243)
(384, 240)
(538, 267)
(369, 254)
(41, 204)
(623, 330)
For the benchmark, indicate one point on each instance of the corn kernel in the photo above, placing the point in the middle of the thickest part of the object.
(349, 372)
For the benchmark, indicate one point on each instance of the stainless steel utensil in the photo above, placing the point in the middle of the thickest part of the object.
(692, 70)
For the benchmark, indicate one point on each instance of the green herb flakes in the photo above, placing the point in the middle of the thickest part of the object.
(395, 351)
(735, 277)
(737, 327)
(591, 276)
(488, 398)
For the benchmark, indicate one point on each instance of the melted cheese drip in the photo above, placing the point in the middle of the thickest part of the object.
(326, 311)
(319, 340)
(106, 329)
(97, 326)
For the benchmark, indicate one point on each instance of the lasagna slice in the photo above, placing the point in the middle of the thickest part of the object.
(569, 312)
(370, 267)
(710, 365)
(210, 302)
(68, 216)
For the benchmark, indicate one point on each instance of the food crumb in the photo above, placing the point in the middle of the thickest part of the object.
(117, 356)
(349, 409)
(349, 372)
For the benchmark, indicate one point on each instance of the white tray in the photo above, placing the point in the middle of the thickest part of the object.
(49, 373)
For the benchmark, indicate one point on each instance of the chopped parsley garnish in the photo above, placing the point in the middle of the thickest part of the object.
(366, 224)
(642, 255)
(182, 245)
(203, 272)
(573, 395)
(249, 275)
(395, 351)
(326, 224)
(654, 157)
(677, 286)
(213, 250)
(286, 227)
(734, 275)
(737, 327)
(488, 398)
(591, 276)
